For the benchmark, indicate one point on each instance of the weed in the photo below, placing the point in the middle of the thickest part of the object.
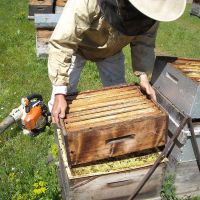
(168, 191)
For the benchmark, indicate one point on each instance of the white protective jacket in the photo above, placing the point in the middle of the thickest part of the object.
(82, 29)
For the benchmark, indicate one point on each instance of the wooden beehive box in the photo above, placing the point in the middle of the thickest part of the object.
(60, 6)
(45, 24)
(112, 122)
(61, 3)
(115, 184)
(42, 41)
(40, 6)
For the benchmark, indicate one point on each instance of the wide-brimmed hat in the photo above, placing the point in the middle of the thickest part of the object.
(160, 10)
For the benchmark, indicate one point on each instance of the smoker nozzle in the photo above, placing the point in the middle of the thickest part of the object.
(8, 121)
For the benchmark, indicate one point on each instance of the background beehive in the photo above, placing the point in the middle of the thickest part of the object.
(190, 68)
(112, 122)
(61, 3)
(40, 6)
(42, 41)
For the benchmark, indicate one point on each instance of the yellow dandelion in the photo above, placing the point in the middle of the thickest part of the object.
(12, 175)
(36, 185)
(41, 183)
(43, 189)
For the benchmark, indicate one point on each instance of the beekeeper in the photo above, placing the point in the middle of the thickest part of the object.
(97, 30)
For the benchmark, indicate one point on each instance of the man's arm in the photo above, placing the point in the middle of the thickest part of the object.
(143, 57)
(74, 21)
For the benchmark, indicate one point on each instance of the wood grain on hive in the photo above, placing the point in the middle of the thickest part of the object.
(112, 122)
(102, 183)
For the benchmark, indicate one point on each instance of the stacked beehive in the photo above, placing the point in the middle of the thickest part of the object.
(109, 140)
(46, 14)
(191, 69)
(59, 6)
(45, 7)
(195, 8)
(45, 24)
(40, 6)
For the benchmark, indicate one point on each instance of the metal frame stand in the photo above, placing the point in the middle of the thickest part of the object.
(167, 149)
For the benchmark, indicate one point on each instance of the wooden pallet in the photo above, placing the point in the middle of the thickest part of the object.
(111, 122)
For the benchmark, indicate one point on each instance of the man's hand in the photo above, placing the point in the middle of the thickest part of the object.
(59, 109)
(145, 85)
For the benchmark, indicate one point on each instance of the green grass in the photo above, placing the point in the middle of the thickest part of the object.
(24, 170)
(24, 164)
(168, 190)
(180, 38)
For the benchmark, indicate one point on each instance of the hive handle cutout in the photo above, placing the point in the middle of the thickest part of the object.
(120, 139)
(120, 183)
(40, 8)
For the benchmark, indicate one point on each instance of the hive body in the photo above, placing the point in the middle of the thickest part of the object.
(112, 122)
(178, 80)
